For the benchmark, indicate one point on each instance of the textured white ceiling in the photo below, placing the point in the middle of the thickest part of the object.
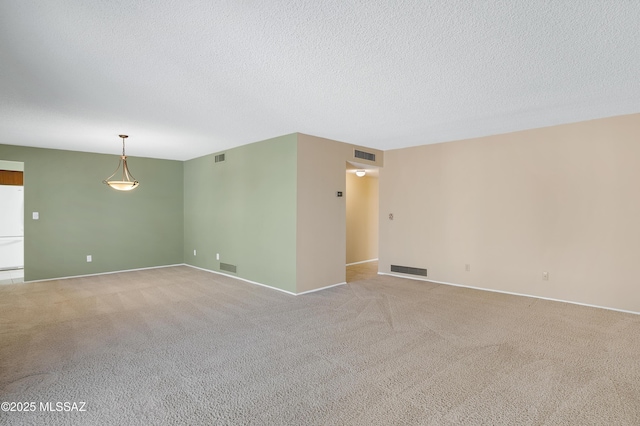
(186, 78)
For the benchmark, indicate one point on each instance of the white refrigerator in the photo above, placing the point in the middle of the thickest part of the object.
(11, 227)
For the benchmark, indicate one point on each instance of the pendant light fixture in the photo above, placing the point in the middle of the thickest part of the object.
(128, 182)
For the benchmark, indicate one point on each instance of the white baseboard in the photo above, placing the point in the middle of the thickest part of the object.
(103, 273)
(362, 261)
(264, 285)
(191, 266)
(241, 279)
(321, 288)
(511, 293)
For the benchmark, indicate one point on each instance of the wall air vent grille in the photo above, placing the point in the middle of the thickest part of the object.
(227, 267)
(409, 270)
(364, 155)
(219, 158)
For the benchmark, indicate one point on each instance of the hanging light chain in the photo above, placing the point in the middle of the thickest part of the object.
(128, 181)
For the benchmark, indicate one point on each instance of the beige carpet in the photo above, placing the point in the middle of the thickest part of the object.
(182, 346)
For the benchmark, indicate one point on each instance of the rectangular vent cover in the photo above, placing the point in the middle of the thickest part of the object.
(365, 155)
(227, 267)
(409, 270)
(219, 158)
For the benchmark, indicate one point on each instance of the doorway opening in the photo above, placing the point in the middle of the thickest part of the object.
(361, 192)
(11, 222)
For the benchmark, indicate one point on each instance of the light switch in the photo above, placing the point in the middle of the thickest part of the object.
(36, 215)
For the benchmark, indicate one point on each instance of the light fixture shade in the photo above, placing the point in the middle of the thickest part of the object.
(128, 182)
(360, 173)
(121, 185)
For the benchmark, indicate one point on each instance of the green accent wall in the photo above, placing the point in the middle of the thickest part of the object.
(245, 209)
(79, 215)
(269, 209)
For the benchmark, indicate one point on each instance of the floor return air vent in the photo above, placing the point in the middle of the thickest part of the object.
(227, 267)
(409, 270)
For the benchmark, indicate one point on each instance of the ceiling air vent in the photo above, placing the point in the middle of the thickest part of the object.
(409, 270)
(227, 267)
(365, 155)
(219, 158)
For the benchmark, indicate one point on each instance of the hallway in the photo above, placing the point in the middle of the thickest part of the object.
(362, 271)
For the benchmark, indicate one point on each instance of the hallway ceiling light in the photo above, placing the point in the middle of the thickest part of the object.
(360, 173)
(128, 182)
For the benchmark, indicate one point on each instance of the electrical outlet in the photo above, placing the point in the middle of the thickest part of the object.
(194, 252)
(217, 256)
(467, 267)
(545, 276)
(89, 258)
